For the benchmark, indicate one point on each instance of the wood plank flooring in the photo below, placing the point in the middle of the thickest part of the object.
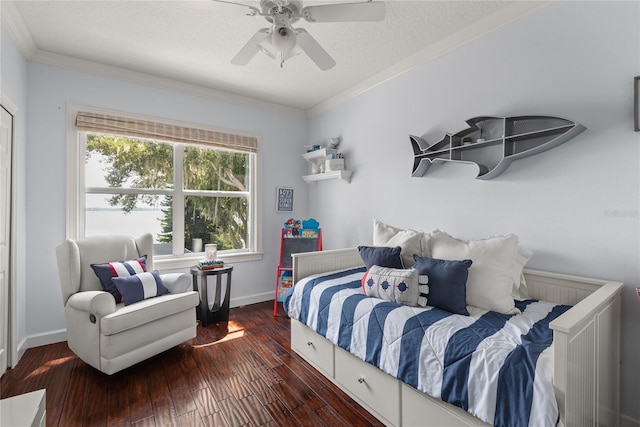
(246, 377)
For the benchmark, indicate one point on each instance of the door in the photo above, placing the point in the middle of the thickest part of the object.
(6, 142)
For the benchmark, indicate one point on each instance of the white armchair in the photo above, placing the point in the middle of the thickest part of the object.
(109, 336)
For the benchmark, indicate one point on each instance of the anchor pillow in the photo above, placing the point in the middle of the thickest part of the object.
(395, 285)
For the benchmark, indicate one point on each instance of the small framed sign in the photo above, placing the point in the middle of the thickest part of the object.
(284, 199)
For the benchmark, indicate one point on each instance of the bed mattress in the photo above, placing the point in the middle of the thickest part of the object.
(497, 367)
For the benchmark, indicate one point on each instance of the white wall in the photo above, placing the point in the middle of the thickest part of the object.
(575, 207)
(50, 91)
(13, 85)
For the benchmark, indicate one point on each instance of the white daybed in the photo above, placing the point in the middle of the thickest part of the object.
(586, 353)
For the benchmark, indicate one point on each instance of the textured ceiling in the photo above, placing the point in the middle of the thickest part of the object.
(194, 41)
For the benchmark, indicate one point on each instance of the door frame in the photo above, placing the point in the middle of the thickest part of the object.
(12, 351)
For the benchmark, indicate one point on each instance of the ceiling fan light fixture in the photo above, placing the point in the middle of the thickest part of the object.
(281, 41)
(283, 38)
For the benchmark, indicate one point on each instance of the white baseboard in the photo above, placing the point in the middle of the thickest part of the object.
(37, 340)
(47, 338)
(251, 299)
(628, 421)
(22, 347)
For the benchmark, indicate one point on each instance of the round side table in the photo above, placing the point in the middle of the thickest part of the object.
(219, 312)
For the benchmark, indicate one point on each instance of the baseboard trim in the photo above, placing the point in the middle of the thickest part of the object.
(46, 338)
(52, 337)
(251, 299)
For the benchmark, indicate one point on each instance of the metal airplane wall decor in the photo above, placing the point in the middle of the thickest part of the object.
(493, 143)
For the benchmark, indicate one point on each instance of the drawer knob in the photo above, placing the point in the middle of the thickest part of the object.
(361, 380)
(309, 343)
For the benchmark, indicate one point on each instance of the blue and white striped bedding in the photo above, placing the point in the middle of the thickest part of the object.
(497, 367)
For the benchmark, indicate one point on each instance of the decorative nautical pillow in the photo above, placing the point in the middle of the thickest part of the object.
(140, 286)
(382, 256)
(392, 284)
(447, 282)
(107, 271)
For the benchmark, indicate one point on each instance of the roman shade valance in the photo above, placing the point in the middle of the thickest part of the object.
(124, 126)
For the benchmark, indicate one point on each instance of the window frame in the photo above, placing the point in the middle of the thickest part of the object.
(76, 191)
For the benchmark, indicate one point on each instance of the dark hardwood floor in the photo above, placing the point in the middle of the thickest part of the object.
(248, 377)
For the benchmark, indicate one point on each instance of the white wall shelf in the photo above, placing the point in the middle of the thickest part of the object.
(492, 143)
(317, 158)
(346, 175)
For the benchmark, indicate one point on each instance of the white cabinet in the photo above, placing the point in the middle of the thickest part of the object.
(385, 397)
(371, 387)
(314, 348)
(317, 159)
(29, 409)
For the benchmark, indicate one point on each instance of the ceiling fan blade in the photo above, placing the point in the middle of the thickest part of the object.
(313, 49)
(253, 11)
(345, 12)
(252, 47)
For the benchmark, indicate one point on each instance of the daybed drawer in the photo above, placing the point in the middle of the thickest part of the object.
(379, 391)
(418, 409)
(313, 347)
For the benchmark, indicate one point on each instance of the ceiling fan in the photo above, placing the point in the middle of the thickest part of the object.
(281, 41)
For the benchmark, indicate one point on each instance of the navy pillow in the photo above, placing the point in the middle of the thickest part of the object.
(140, 286)
(109, 270)
(447, 282)
(382, 256)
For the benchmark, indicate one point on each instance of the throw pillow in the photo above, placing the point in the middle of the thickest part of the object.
(519, 289)
(140, 286)
(410, 241)
(490, 280)
(109, 270)
(447, 282)
(391, 284)
(382, 256)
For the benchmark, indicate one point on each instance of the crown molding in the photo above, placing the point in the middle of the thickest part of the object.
(12, 21)
(109, 71)
(499, 19)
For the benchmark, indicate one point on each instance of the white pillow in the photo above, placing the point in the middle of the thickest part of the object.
(409, 240)
(519, 290)
(490, 280)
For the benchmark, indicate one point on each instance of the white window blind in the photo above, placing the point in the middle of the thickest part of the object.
(128, 127)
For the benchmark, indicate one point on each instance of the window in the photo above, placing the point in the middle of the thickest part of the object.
(186, 186)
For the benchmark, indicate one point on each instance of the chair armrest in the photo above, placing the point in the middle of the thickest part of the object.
(99, 303)
(177, 283)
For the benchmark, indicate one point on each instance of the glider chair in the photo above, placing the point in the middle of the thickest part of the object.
(157, 312)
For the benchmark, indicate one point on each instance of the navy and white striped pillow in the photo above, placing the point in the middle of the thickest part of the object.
(109, 270)
(140, 286)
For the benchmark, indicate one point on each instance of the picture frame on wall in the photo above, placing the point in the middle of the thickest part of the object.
(284, 199)
(636, 103)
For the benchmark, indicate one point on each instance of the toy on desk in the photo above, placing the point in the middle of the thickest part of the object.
(297, 236)
(294, 228)
(210, 265)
